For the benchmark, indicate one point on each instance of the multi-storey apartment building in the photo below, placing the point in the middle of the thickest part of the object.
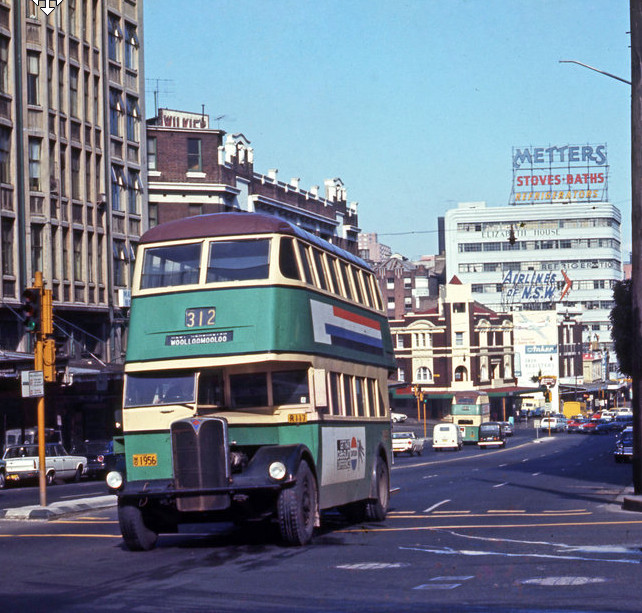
(194, 169)
(371, 249)
(72, 167)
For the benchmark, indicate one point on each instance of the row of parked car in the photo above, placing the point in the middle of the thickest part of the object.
(20, 462)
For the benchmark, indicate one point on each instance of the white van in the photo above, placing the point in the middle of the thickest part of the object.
(446, 436)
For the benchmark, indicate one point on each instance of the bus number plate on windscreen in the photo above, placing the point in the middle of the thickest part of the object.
(145, 459)
(199, 317)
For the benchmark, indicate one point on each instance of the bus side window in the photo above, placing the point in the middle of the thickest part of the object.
(366, 284)
(360, 400)
(373, 409)
(303, 252)
(287, 260)
(357, 286)
(320, 270)
(335, 394)
(346, 279)
(332, 267)
(347, 394)
(374, 287)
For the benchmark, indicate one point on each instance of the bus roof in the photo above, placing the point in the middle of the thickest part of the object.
(238, 223)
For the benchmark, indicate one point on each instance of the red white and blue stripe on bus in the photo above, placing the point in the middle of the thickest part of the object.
(341, 328)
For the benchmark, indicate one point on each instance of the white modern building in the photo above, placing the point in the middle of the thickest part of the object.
(553, 256)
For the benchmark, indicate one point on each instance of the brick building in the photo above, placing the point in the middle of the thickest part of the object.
(457, 345)
(194, 169)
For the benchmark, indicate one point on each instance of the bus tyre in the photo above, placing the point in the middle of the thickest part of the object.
(377, 508)
(297, 508)
(137, 536)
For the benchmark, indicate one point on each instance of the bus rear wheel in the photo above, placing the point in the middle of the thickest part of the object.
(297, 508)
(137, 536)
(377, 508)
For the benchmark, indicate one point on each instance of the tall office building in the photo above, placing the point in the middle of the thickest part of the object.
(71, 171)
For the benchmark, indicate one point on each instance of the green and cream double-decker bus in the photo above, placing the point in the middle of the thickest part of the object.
(255, 381)
(469, 410)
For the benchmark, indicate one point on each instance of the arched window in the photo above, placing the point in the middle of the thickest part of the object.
(423, 374)
(461, 374)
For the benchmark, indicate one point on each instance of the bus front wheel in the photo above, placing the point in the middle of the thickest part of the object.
(297, 508)
(137, 536)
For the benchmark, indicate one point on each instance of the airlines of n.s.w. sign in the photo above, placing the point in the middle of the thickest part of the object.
(568, 173)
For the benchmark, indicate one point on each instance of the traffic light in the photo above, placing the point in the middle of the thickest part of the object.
(32, 309)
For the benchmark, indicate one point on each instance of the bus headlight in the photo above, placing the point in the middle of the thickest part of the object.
(114, 480)
(277, 471)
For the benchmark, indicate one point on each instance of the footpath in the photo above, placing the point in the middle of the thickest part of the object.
(58, 509)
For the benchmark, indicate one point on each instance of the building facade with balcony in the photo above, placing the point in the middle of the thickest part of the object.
(194, 169)
(457, 345)
(72, 171)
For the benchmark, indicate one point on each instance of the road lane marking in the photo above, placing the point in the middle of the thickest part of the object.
(452, 512)
(98, 536)
(587, 524)
(506, 511)
(501, 484)
(438, 504)
(466, 514)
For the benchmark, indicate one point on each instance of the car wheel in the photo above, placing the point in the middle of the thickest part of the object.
(50, 478)
(77, 474)
(297, 508)
(136, 534)
(3, 480)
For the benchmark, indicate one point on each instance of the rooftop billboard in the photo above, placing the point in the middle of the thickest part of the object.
(560, 174)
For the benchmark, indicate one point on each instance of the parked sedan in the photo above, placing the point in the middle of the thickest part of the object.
(22, 463)
(100, 457)
(575, 424)
(407, 442)
(397, 418)
(624, 446)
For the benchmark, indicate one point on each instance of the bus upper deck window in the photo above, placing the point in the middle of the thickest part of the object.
(318, 260)
(303, 252)
(238, 260)
(287, 260)
(171, 266)
(346, 280)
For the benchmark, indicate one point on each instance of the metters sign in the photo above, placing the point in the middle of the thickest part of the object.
(568, 173)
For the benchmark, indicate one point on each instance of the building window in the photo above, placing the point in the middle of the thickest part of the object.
(5, 157)
(34, 166)
(152, 213)
(117, 183)
(115, 112)
(459, 339)
(4, 64)
(120, 263)
(73, 91)
(115, 34)
(33, 74)
(133, 120)
(401, 374)
(152, 159)
(75, 174)
(459, 307)
(400, 343)
(7, 246)
(36, 247)
(134, 187)
(423, 374)
(194, 160)
(131, 47)
(461, 374)
(73, 21)
(77, 261)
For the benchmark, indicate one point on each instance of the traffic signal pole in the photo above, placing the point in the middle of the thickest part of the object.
(38, 320)
(39, 363)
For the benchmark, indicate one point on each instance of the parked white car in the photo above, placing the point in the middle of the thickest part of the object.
(407, 442)
(397, 418)
(22, 463)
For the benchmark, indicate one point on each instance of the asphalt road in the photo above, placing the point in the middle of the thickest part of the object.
(533, 527)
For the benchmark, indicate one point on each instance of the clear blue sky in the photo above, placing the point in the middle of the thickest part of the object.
(414, 104)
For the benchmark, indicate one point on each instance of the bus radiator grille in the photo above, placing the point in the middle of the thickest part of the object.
(199, 449)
